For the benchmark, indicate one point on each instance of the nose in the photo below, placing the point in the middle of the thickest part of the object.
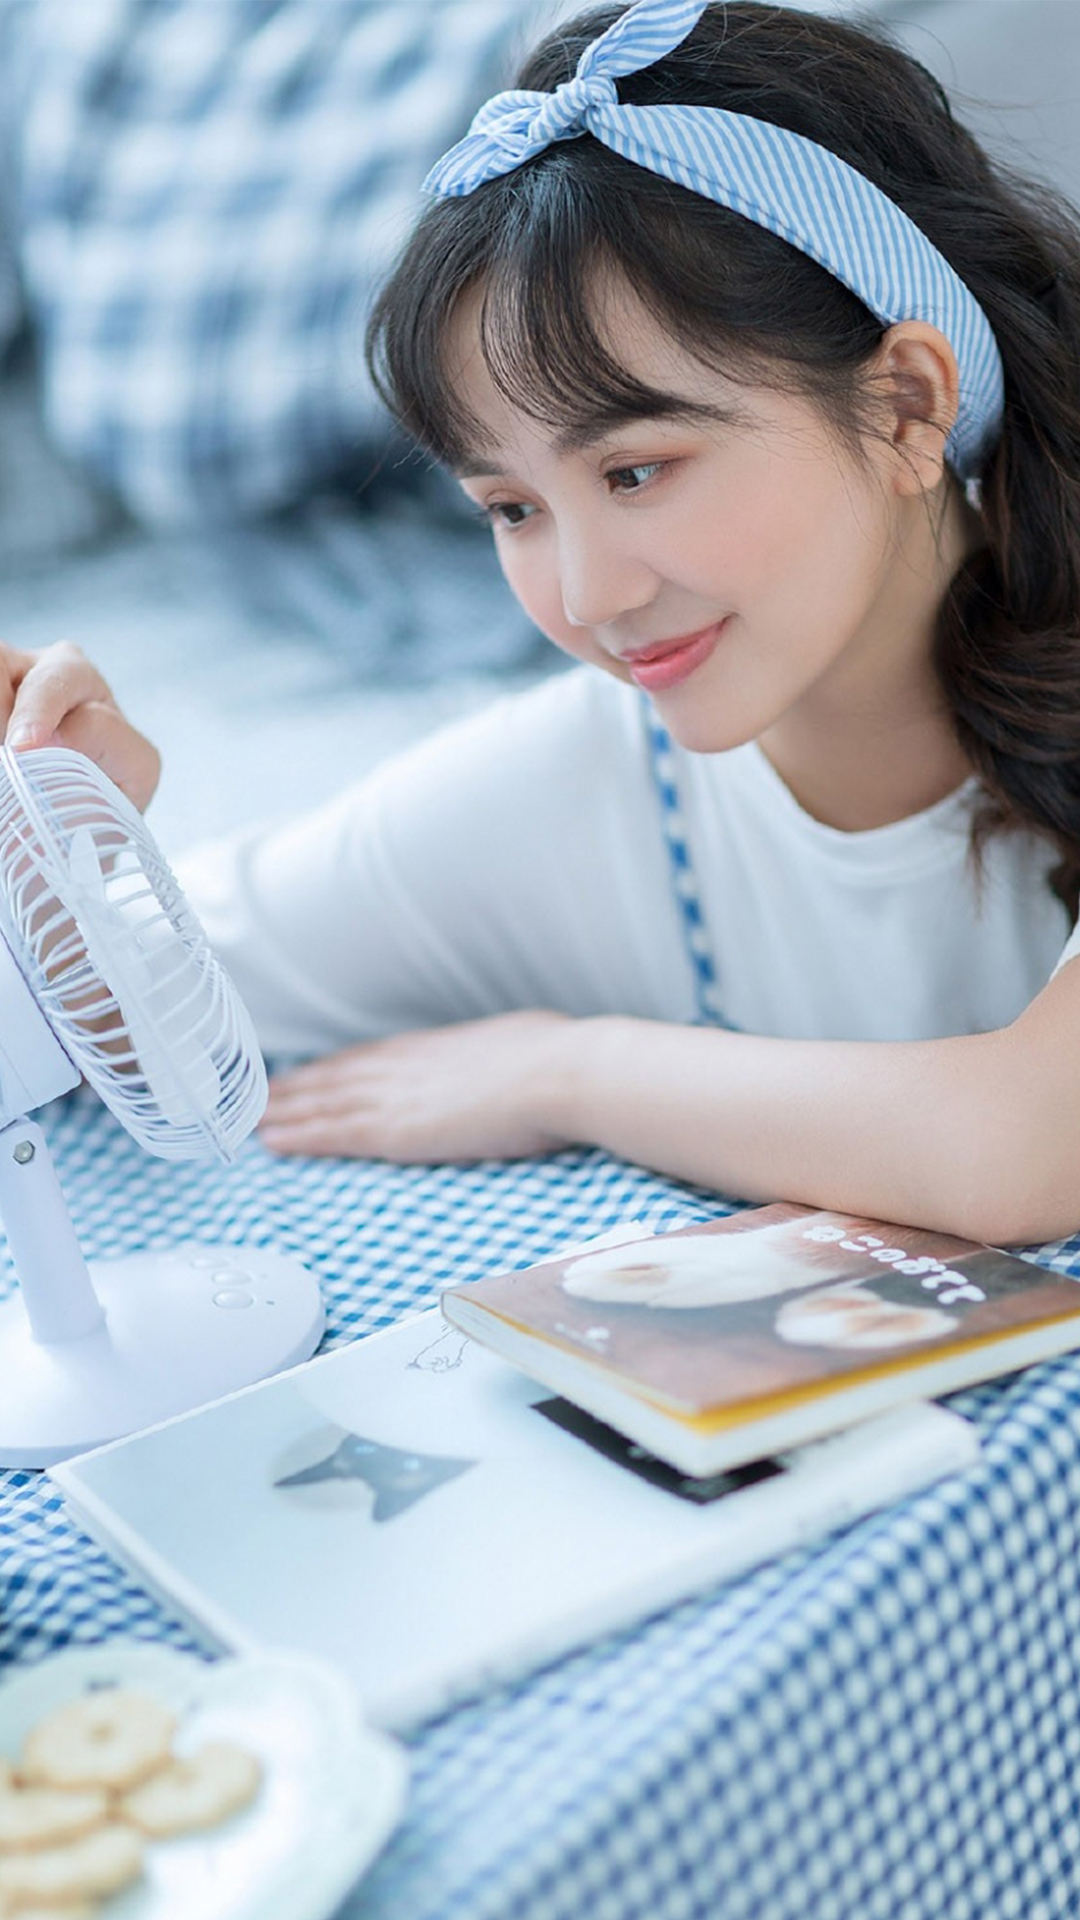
(599, 580)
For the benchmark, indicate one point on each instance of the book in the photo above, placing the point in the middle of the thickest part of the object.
(417, 1511)
(717, 1344)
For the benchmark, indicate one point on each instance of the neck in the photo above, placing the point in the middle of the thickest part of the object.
(875, 741)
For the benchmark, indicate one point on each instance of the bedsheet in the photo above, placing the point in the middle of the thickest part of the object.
(884, 1728)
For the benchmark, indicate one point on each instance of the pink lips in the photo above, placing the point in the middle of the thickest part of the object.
(671, 662)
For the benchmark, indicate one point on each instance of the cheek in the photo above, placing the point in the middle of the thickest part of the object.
(532, 575)
(788, 533)
(816, 546)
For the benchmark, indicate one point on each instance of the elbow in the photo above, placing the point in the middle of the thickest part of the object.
(1012, 1210)
(1029, 1216)
(1019, 1172)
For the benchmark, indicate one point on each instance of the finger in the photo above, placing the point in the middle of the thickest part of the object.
(14, 665)
(328, 1069)
(393, 1051)
(131, 762)
(319, 1138)
(57, 681)
(332, 1102)
(337, 1074)
(308, 1102)
(300, 1082)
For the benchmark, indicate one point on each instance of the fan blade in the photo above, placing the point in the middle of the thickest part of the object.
(178, 1069)
(117, 961)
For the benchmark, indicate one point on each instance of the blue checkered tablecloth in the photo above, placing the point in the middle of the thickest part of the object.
(885, 1728)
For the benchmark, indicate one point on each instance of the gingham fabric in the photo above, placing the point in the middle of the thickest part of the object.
(885, 1728)
(781, 180)
(206, 195)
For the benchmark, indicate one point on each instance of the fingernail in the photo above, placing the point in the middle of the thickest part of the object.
(19, 736)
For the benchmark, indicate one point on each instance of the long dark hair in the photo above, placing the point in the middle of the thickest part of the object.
(1007, 646)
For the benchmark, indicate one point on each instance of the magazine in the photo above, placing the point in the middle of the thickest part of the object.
(719, 1343)
(417, 1511)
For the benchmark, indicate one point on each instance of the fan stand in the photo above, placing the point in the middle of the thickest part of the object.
(90, 1353)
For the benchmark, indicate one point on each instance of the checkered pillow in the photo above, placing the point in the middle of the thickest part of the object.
(14, 42)
(208, 192)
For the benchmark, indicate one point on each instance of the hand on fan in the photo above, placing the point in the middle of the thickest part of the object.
(57, 698)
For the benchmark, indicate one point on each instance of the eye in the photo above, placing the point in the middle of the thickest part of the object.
(508, 513)
(632, 479)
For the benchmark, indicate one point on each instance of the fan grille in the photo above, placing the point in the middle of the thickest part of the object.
(118, 962)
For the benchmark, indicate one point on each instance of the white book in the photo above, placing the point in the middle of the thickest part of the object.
(414, 1509)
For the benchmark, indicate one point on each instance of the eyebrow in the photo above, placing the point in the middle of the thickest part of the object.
(582, 436)
(478, 466)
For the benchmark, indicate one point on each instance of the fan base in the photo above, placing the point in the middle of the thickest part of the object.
(181, 1328)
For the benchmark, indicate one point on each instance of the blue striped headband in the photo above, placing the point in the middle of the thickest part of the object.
(780, 180)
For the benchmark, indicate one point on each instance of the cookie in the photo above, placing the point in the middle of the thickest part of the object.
(87, 1869)
(113, 1738)
(48, 1816)
(197, 1791)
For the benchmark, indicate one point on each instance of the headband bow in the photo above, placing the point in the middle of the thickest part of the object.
(780, 180)
(515, 125)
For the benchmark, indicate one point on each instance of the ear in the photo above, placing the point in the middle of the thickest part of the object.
(920, 383)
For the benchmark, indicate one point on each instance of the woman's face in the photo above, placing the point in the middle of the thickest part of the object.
(734, 566)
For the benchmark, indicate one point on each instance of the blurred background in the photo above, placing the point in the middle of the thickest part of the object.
(197, 199)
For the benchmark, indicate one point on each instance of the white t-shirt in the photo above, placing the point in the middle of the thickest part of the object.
(517, 859)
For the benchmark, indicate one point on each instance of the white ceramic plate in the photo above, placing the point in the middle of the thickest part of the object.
(332, 1788)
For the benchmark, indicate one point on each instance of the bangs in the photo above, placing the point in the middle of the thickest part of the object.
(542, 249)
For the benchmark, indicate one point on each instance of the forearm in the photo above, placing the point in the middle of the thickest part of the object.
(920, 1132)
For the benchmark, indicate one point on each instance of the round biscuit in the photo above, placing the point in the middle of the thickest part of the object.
(49, 1816)
(111, 1738)
(98, 1864)
(196, 1791)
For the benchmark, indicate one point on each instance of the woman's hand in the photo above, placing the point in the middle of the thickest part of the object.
(485, 1089)
(57, 698)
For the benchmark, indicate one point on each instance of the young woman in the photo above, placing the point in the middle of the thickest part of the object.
(769, 386)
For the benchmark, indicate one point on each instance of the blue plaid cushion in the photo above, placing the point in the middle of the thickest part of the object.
(14, 44)
(208, 194)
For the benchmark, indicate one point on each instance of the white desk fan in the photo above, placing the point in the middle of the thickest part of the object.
(105, 973)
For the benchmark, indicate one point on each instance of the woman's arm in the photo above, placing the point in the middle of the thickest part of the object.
(977, 1136)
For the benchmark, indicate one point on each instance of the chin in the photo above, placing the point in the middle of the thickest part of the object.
(703, 733)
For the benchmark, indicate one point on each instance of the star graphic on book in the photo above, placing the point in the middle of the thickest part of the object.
(396, 1478)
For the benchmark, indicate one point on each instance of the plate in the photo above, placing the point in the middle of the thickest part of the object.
(332, 1791)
